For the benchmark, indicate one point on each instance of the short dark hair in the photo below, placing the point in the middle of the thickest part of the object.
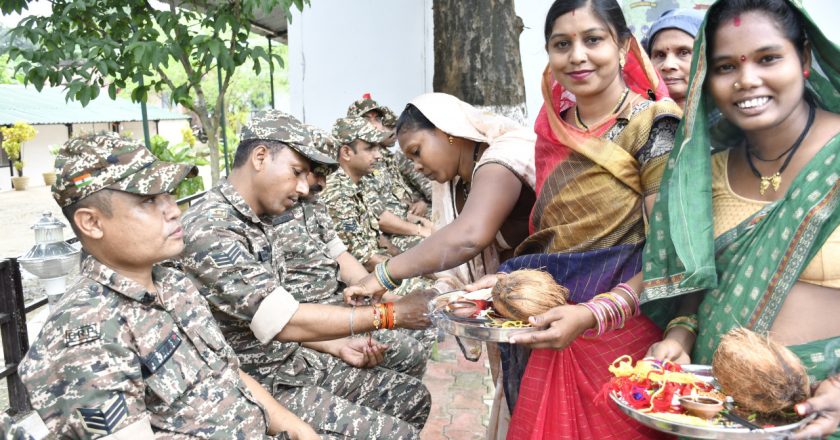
(412, 119)
(788, 20)
(246, 147)
(608, 11)
(100, 200)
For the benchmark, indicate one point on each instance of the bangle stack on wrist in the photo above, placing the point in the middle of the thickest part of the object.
(611, 310)
(383, 316)
(384, 278)
(687, 322)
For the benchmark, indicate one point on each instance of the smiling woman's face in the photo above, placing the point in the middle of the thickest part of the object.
(431, 152)
(582, 53)
(755, 73)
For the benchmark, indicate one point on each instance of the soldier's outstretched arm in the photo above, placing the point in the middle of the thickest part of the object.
(313, 322)
(280, 419)
(87, 385)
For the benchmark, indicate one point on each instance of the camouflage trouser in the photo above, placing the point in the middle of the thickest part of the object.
(407, 351)
(405, 242)
(354, 403)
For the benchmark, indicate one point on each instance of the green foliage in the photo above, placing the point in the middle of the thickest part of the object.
(6, 72)
(13, 139)
(93, 45)
(183, 152)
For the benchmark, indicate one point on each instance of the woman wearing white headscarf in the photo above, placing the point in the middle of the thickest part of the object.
(482, 168)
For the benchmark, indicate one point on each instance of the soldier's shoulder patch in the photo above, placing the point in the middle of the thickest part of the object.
(349, 226)
(226, 257)
(82, 334)
(217, 214)
(104, 419)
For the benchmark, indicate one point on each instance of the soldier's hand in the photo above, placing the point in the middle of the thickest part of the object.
(362, 352)
(367, 288)
(412, 311)
(419, 208)
(301, 430)
(424, 231)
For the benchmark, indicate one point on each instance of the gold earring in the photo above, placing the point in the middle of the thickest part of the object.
(620, 63)
(451, 140)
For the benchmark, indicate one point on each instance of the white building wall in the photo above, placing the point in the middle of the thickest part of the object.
(339, 50)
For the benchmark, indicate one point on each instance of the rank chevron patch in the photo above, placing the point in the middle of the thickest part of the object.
(103, 419)
(227, 257)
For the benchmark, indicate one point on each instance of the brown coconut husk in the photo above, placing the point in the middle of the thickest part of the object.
(527, 292)
(759, 374)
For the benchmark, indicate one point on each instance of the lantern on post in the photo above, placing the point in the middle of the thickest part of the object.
(51, 259)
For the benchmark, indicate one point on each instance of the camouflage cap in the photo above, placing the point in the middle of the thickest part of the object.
(326, 145)
(275, 125)
(368, 104)
(347, 130)
(87, 164)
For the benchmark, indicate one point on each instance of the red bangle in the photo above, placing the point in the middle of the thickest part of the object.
(389, 315)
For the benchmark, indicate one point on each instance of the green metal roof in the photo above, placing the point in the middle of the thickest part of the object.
(21, 103)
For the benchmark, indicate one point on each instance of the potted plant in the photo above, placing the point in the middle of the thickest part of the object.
(13, 139)
(49, 176)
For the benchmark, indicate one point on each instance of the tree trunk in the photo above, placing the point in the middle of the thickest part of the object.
(476, 44)
(211, 129)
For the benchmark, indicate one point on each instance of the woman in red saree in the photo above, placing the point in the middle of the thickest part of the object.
(603, 137)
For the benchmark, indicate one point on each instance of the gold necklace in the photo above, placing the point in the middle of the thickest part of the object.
(775, 180)
(621, 100)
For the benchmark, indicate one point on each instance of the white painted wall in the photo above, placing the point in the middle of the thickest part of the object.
(339, 50)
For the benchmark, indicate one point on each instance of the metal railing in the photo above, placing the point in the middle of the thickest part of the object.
(13, 330)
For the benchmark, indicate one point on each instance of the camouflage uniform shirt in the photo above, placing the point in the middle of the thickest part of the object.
(116, 358)
(229, 251)
(354, 219)
(308, 241)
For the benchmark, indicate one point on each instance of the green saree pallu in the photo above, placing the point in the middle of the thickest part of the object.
(748, 271)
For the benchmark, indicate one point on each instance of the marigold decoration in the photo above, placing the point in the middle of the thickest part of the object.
(527, 292)
(759, 374)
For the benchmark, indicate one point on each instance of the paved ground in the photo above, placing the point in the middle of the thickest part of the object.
(462, 393)
(461, 390)
(21, 209)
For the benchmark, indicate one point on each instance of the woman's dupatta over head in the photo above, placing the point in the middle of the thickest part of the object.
(749, 270)
(591, 169)
(557, 398)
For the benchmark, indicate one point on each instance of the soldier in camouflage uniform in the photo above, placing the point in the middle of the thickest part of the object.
(132, 351)
(318, 266)
(404, 192)
(401, 190)
(358, 222)
(230, 251)
(382, 117)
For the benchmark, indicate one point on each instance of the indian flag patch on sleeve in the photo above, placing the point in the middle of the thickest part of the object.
(83, 180)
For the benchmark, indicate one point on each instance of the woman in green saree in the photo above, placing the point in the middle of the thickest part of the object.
(746, 232)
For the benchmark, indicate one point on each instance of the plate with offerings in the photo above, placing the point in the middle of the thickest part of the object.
(702, 401)
(495, 314)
